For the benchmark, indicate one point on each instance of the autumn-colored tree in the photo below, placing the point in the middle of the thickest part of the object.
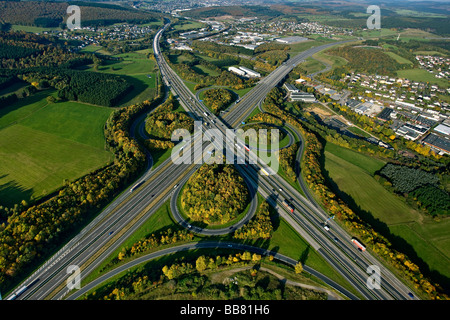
(298, 267)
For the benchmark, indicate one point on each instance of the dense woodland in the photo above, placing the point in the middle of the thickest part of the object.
(368, 60)
(26, 50)
(163, 122)
(423, 187)
(217, 99)
(53, 14)
(259, 227)
(215, 194)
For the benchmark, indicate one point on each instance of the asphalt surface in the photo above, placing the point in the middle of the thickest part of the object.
(131, 208)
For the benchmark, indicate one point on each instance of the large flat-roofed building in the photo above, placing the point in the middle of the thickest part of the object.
(443, 129)
(237, 71)
(369, 109)
(250, 73)
(352, 103)
(290, 40)
(302, 97)
(408, 133)
(385, 114)
(291, 88)
(362, 109)
(417, 128)
(440, 143)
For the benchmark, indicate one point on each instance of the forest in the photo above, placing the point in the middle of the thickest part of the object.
(405, 180)
(422, 187)
(217, 99)
(84, 86)
(21, 50)
(368, 60)
(161, 124)
(215, 194)
(52, 14)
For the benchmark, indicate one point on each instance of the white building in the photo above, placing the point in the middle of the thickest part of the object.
(237, 71)
(250, 73)
(443, 129)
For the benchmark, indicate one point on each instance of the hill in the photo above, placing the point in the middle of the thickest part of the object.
(52, 14)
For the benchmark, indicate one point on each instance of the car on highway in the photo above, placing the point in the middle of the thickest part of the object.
(326, 227)
(175, 186)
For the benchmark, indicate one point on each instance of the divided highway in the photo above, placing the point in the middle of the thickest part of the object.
(108, 231)
(334, 246)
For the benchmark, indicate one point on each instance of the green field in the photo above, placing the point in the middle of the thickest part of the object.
(422, 75)
(200, 69)
(353, 174)
(41, 145)
(141, 72)
(332, 60)
(16, 27)
(398, 58)
(312, 65)
(187, 25)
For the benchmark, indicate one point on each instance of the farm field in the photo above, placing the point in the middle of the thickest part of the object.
(353, 174)
(42, 145)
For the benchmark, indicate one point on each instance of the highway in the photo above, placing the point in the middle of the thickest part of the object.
(334, 246)
(108, 231)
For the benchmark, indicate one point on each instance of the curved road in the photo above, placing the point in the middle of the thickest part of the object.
(207, 245)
